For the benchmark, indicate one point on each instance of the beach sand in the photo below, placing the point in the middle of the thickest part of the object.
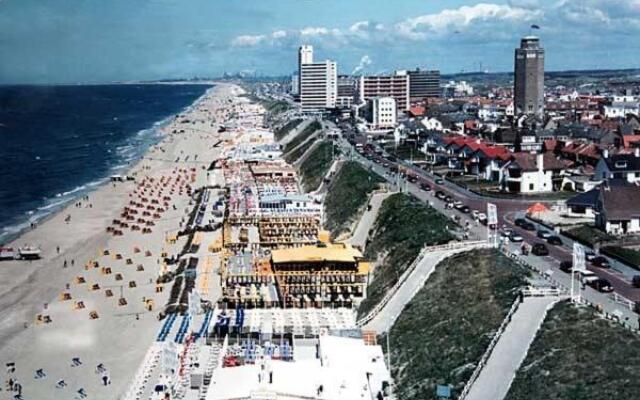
(122, 334)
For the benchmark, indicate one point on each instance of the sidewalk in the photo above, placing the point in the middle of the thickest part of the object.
(512, 347)
(359, 237)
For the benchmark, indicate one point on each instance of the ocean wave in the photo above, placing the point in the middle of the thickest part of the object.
(74, 190)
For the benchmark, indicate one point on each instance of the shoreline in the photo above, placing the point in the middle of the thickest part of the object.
(22, 226)
(120, 334)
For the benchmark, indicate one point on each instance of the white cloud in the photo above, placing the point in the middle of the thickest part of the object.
(247, 40)
(313, 31)
(279, 34)
(451, 20)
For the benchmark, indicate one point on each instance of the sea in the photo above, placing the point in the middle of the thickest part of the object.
(59, 142)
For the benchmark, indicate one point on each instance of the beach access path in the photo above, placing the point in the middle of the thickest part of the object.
(512, 347)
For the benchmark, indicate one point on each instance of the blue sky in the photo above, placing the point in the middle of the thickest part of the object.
(114, 40)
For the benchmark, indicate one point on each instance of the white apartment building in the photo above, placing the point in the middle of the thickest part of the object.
(318, 82)
(383, 112)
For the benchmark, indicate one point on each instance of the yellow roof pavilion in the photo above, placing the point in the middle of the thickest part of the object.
(337, 252)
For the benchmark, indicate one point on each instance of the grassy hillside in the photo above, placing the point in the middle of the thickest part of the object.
(445, 329)
(347, 195)
(316, 165)
(302, 136)
(578, 355)
(403, 227)
(286, 128)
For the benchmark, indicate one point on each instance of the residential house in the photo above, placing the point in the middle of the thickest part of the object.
(619, 167)
(618, 209)
(532, 173)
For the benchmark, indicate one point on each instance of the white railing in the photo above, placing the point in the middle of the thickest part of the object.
(428, 249)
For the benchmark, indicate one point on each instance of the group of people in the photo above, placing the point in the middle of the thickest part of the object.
(13, 385)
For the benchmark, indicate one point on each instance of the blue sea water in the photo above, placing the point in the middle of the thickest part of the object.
(58, 142)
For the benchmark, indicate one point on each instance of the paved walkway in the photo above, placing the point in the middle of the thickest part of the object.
(294, 132)
(512, 347)
(359, 237)
(414, 282)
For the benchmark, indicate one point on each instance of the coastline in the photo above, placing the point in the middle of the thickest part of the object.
(121, 334)
(11, 233)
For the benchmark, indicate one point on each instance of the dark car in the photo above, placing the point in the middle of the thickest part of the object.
(566, 266)
(392, 159)
(539, 249)
(465, 209)
(542, 234)
(448, 199)
(519, 221)
(439, 181)
(636, 281)
(528, 226)
(413, 179)
(440, 194)
(425, 187)
(600, 262)
(589, 255)
(555, 240)
(601, 285)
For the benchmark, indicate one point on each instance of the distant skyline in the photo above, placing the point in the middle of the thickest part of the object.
(72, 41)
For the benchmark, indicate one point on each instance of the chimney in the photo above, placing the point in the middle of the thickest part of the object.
(605, 153)
(636, 152)
(540, 161)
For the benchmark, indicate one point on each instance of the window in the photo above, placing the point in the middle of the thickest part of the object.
(531, 186)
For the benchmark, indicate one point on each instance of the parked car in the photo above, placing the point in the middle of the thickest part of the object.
(465, 209)
(539, 249)
(413, 179)
(554, 240)
(439, 181)
(519, 221)
(440, 194)
(514, 237)
(542, 234)
(635, 281)
(601, 285)
(425, 187)
(448, 199)
(506, 232)
(457, 204)
(589, 255)
(600, 262)
(565, 266)
(528, 226)
(385, 165)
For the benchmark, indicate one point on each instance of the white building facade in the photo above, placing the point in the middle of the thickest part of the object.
(383, 112)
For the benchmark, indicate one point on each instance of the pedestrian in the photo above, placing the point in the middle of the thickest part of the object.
(76, 362)
(72, 262)
(64, 265)
(58, 249)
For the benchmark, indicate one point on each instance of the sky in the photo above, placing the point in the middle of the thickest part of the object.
(75, 41)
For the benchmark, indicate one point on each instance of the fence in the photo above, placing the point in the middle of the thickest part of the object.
(383, 302)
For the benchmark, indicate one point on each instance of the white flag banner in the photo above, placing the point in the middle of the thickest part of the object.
(492, 214)
(578, 256)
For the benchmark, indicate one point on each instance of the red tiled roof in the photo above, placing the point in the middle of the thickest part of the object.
(417, 111)
(627, 140)
(550, 144)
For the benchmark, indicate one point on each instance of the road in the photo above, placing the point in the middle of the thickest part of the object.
(507, 210)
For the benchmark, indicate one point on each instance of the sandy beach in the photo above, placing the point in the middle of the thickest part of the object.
(48, 307)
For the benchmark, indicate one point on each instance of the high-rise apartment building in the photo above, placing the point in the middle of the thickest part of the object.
(305, 56)
(347, 91)
(318, 86)
(424, 84)
(395, 86)
(529, 77)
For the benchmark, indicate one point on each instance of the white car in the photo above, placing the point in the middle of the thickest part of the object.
(514, 237)
(506, 232)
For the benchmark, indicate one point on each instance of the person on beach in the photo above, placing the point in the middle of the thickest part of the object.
(75, 362)
(82, 393)
(58, 249)
(40, 374)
